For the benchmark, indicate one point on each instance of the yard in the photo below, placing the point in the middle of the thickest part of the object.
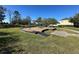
(73, 28)
(13, 40)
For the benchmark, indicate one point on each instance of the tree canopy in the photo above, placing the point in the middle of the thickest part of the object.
(2, 13)
(16, 18)
(46, 21)
(75, 20)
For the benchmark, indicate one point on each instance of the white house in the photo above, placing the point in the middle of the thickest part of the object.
(65, 22)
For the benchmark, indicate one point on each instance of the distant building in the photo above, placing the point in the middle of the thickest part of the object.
(52, 25)
(65, 22)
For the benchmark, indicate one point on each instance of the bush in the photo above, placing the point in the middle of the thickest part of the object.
(65, 25)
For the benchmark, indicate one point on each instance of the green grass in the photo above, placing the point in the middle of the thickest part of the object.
(16, 40)
(58, 44)
(73, 28)
(13, 40)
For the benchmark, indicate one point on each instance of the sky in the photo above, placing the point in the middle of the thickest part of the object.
(34, 11)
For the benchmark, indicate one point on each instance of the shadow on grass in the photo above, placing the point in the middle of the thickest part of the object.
(8, 43)
(3, 33)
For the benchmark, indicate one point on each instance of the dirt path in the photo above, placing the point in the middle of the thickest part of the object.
(65, 33)
(60, 33)
(39, 33)
(73, 30)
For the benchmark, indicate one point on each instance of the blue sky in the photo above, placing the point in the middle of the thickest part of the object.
(55, 11)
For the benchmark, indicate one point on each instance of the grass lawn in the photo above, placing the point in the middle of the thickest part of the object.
(13, 40)
(73, 28)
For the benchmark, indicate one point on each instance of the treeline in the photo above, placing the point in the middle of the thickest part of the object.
(16, 19)
(74, 19)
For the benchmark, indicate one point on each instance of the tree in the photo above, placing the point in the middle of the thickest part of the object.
(46, 21)
(10, 15)
(65, 19)
(16, 18)
(52, 21)
(26, 21)
(75, 20)
(39, 21)
(2, 13)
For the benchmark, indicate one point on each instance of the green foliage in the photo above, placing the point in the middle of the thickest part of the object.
(39, 21)
(12, 40)
(65, 26)
(75, 20)
(52, 21)
(46, 21)
(16, 20)
(65, 19)
(2, 14)
(26, 21)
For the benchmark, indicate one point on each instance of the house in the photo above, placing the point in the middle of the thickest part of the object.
(51, 25)
(65, 22)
